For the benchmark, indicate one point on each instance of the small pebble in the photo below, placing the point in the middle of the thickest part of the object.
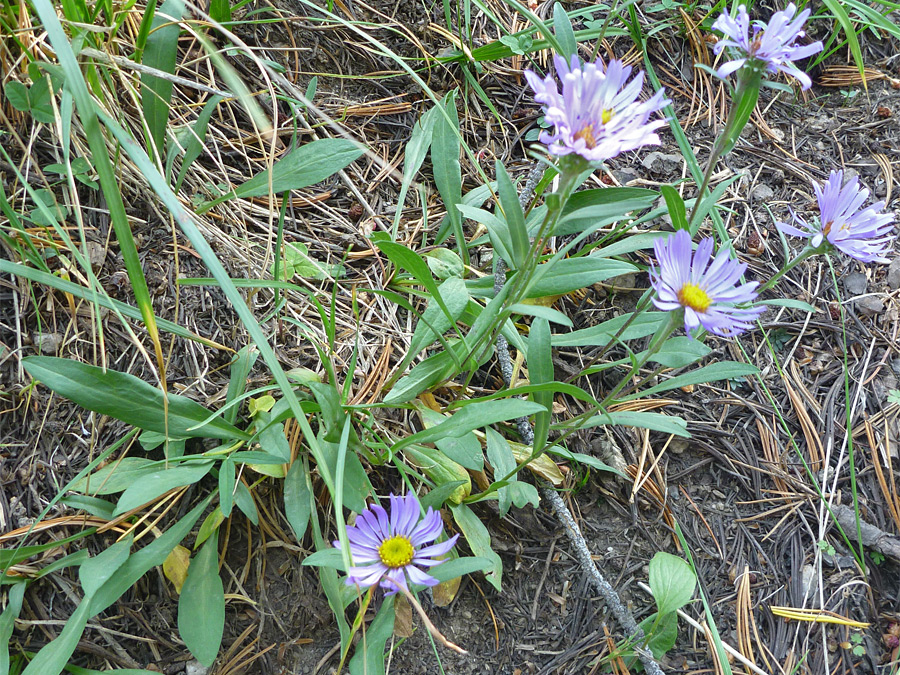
(662, 163)
(47, 343)
(893, 275)
(855, 283)
(762, 193)
(870, 305)
(195, 668)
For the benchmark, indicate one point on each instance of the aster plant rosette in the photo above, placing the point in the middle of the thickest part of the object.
(598, 114)
(771, 47)
(389, 547)
(864, 234)
(706, 288)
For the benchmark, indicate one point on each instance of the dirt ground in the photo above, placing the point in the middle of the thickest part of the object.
(737, 489)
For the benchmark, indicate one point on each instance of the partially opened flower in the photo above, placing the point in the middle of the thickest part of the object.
(862, 234)
(387, 547)
(705, 287)
(771, 47)
(598, 114)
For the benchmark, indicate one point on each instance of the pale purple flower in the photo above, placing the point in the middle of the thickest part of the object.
(705, 287)
(771, 46)
(599, 114)
(862, 234)
(387, 547)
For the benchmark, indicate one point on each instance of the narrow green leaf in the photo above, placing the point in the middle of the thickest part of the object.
(53, 657)
(849, 30)
(201, 606)
(141, 561)
(447, 170)
(562, 28)
(513, 216)
(572, 274)
(471, 417)
(479, 541)
(96, 571)
(600, 335)
(368, 659)
(129, 399)
(413, 156)
(196, 136)
(227, 481)
(540, 371)
(159, 482)
(500, 455)
(161, 53)
(543, 313)
(245, 503)
(675, 205)
(724, 370)
(666, 424)
(76, 85)
(241, 366)
(297, 499)
(307, 165)
(117, 476)
(7, 622)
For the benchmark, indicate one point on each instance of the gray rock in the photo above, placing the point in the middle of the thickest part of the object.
(661, 163)
(855, 284)
(870, 305)
(761, 193)
(625, 175)
(893, 275)
(195, 668)
(47, 343)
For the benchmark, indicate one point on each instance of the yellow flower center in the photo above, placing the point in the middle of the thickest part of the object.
(396, 552)
(587, 134)
(691, 295)
(607, 115)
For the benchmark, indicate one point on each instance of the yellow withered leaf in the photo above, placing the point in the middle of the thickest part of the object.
(175, 566)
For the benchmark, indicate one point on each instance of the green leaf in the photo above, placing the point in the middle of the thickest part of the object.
(790, 302)
(849, 30)
(159, 482)
(479, 541)
(562, 27)
(161, 53)
(446, 167)
(513, 216)
(435, 321)
(227, 484)
(661, 635)
(209, 526)
(540, 371)
(142, 560)
(297, 261)
(307, 165)
(672, 582)
(201, 606)
(445, 264)
(498, 231)
(414, 155)
(244, 501)
(586, 209)
(220, 10)
(675, 204)
(53, 657)
(195, 138)
(458, 567)
(500, 456)
(544, 313)
(328, 557)
(571, 274)
(471, 417)
(600, 335)
(129, 399)
(7, 622)
(116, 476)
(96, 571)
(93, 505)
(724, 370)
(356, 482)
(678, 352)
(667, 424)
(464, 449)
(298, 499)
(368, 659)
(241, 366)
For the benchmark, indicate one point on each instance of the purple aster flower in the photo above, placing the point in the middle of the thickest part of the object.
(864, 235)
(770, 47)
(703, 286)
(598, 115)
(386, 548)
